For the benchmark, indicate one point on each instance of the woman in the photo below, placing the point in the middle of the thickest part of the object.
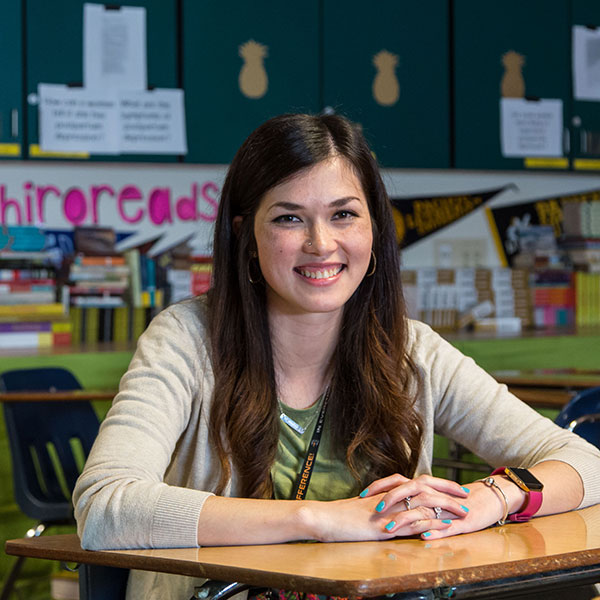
(212, 436)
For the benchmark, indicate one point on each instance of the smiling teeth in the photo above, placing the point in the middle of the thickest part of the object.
(320, 274)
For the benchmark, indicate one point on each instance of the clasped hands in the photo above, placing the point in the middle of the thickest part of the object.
(397, 506)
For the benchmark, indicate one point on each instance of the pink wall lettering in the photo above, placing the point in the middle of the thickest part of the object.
(49, 205)
(128, 194)
(74, 206)
(28, 186)
(41, 192)
(159, 206)
(95, 192)
(8, 203)
(210, 186)
(186, 206)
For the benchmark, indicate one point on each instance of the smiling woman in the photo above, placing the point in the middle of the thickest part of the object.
(258, 413)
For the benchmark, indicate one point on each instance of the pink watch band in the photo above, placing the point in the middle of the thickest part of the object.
(532, 504)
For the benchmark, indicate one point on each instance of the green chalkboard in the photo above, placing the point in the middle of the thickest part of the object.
(538, 31)
(386, 65)
(244, 62)
(55, 53)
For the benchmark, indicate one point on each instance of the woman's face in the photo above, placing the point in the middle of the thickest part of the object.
(314, 239)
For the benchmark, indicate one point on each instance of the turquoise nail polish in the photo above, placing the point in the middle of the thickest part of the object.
(426, 534)
(380, 506)
(364, 492)
(464, 508)
(465, 489)
(447, 521)
(390, 525)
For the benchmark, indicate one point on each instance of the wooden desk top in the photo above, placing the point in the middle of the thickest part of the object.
(363, 568)
(550, 378)
(58, 396)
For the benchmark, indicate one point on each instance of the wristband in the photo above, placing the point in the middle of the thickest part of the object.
(525, 480)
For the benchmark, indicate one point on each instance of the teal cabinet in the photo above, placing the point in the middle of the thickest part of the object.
(537, 34)
(585, 122)
(55, 54)
(11, 67)
(386, 65)
(244, 62)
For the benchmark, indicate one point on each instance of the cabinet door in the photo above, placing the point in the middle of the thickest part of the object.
(244, 62)
(386, 66)
(55, 54)
(585, 123)
(11, 66)
(536, 33)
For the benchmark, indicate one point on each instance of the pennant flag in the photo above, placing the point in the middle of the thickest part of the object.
(507, 221)
(418, 217)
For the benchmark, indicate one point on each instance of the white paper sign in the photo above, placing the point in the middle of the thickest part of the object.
(531, 128)
(586, 63)
(111, 121)
(77, 120)
(114, 47)
(152, 122)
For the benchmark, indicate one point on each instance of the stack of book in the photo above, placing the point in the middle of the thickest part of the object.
(447, 299)
(587, 294)
(99, 281)
(30, 315)
(145, 291)
(193, 280)
(187, 274)
(554, 298)
(581, 219)
(431, 296)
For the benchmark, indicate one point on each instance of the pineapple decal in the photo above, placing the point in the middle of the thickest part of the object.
(386, 89)
(513, 84)
(253, 80)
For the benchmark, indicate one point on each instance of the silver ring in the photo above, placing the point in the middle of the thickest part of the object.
(407, 502)
(438, 512)
(309, 243)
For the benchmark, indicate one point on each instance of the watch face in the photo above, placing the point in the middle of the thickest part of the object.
(528, 479)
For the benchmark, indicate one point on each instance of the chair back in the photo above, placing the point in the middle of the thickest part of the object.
(582, 415)
(49, 442)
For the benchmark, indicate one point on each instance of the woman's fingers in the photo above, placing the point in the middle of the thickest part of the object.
(419, 495)
(384, 485)
(416, 521)
(389, 484)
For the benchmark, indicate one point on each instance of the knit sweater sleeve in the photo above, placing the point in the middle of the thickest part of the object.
(469, 406)
(121, 499)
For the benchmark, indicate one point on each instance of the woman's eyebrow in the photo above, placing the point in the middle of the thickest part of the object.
(293, 206)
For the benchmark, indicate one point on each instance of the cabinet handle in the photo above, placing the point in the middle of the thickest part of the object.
(567, 140)
(14, 122)
(583, 138)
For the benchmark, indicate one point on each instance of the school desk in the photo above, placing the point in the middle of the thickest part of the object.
(557, 550)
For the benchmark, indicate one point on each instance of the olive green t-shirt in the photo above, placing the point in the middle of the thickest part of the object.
(330, 480)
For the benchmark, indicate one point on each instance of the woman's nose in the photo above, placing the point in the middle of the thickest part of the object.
(320, 240)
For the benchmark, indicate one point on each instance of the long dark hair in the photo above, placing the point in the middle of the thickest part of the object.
(372, 393)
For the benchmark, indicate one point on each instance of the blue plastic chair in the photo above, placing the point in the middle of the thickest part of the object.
(582, 415)
(45, 440)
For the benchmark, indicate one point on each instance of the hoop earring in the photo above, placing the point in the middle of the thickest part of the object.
(374, 268)
(253, 255)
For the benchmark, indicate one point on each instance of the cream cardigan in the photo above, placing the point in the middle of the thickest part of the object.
(149, 471)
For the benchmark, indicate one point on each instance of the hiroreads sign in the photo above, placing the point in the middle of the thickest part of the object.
(420, 216)
(507, 221)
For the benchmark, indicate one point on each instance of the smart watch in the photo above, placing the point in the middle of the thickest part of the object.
(529, 484)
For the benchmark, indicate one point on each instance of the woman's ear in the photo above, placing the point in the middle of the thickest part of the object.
(237, 224)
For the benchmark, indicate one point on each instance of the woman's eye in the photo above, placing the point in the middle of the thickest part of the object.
(286, 219)
(344, 214)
